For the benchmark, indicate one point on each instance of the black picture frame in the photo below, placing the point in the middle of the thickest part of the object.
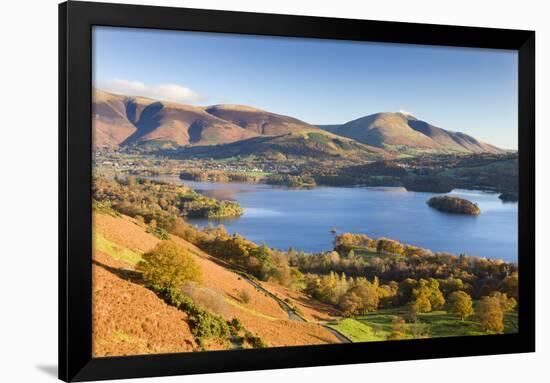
(75, 154)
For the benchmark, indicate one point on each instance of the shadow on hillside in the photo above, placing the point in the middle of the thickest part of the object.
(134, 277)
(149, 119)
(128, 275)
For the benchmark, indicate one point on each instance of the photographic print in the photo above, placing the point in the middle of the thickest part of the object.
(259, 191)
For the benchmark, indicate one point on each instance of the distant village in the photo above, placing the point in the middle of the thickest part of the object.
(132, 164)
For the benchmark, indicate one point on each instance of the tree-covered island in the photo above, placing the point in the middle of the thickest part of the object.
(454, 205)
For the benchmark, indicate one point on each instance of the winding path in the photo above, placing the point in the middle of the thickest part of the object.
(292, 315)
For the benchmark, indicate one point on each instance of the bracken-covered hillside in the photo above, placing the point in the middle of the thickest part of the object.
(129, 318)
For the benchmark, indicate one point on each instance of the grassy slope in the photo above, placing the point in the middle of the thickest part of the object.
(299, 144)
(120, 253)
(360, 332)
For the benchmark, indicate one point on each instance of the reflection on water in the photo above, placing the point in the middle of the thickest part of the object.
(303, 219)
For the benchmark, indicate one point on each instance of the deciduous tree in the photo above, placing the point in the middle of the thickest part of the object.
(509, 285)
(490, 314)
(169, 265)
(460, 303)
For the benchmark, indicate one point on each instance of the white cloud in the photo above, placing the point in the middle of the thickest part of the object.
(166, 92)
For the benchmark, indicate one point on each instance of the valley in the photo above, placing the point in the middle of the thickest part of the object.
(229, 227)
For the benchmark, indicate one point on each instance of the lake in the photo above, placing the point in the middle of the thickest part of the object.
(283, 217)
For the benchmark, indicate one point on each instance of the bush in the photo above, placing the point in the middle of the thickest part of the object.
(104, 207)
(208, 326)
(158, 232)
(168, 265)
(236, 325)
(244, 296)
(204, 325)
(206, 298)
(254, 340)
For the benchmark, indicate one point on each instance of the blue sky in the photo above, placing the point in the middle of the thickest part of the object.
(318, 81)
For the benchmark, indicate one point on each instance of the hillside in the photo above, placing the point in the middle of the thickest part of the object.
(401, 132)
(160, 328)
(320, 145)
(131, 319)
(259, 121)
(110, 124)
(120, 121)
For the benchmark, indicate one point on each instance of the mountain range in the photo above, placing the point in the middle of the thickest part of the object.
(120, 121)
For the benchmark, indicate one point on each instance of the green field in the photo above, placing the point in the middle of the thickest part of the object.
(358, 331)
(378, 325)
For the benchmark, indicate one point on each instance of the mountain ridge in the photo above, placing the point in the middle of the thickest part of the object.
(387, 129)
(120, 121)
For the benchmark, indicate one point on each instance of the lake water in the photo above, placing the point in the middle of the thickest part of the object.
(283, 217)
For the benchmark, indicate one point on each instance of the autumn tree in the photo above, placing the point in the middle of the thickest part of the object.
(387, 293)
(405, 289)
(345, 242)
(350, 303)
(390, 246)
(413, 251)
(426, 296)
(490, 315)
(421, 304)
(169, 265)
(451, 284)
(327, 288)
(361, 298)
(460, 303)
(509, 285)
(507, 304)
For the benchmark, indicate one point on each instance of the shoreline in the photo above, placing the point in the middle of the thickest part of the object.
(224, 191)
(319, 186)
